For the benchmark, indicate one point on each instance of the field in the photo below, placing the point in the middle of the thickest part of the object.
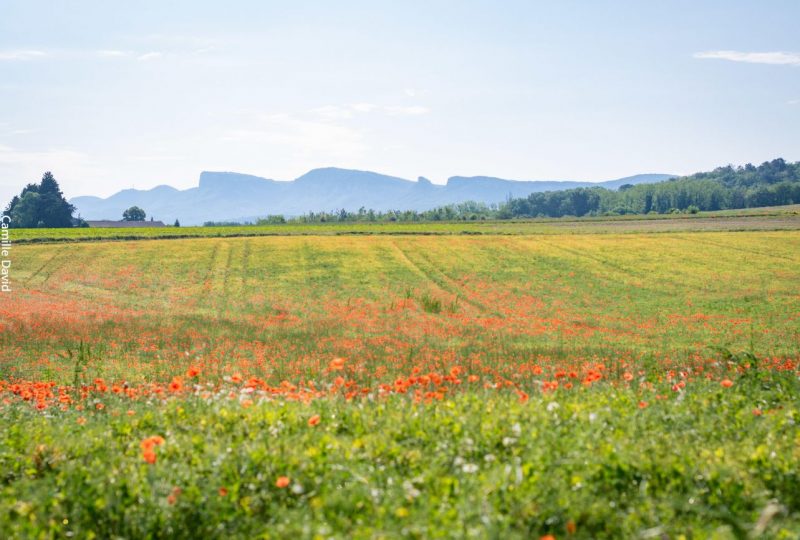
(757, 219)
(521, 380)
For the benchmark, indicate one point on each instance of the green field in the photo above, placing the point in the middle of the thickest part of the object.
(499, 379)
(767, 218)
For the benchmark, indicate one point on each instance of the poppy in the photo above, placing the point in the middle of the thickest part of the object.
(149, 455)
(337, 364)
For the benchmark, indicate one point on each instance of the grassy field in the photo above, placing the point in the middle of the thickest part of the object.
(767, 218)
(526, 384)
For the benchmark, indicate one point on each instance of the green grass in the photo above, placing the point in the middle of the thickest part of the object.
(768, 218)
(475, 465)
(431, 360)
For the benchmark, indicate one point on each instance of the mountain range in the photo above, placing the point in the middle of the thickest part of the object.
(229, 196)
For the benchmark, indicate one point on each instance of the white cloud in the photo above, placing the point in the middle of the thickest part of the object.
(22, 55)
(112, 54)
(332, 112)
(364, 107)
(774, 58)
(794, 102)
(156, 157)
(412, 110)
(12, 156)
(7, 130)
(301, 138)
(149, 56)
(335, 112)
(74, 170)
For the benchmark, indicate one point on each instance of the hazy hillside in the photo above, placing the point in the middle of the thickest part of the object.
(232, 196)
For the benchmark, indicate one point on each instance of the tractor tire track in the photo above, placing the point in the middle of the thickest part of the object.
(45, 264)
(246, 247)
(756, 252)
(442, 281)
(642, 276)
(61, 263)
(215, 282)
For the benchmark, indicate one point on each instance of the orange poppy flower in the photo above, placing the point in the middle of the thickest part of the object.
(282, 482)
(337, 364)
(314, 420)
(149, 455)
(148, 451)
(192, 372)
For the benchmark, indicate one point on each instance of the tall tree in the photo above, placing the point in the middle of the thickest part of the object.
(134, 213)
(41, 205)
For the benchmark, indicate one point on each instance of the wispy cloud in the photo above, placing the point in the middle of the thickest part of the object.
(411, 110)
(14, 156)
(301, 137)
(337, 112)
(149, 56)
(22, 55)
(332, 112)
(773, 58)
(7, 130)
(110, 53)
(77, 54)
(364, 107)
(794, 102)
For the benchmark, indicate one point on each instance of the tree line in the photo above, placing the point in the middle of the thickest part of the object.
(773, 183)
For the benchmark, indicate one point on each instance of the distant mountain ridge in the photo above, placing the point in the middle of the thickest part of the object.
(229, 196)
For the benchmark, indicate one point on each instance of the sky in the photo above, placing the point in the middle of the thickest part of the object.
(111, 95)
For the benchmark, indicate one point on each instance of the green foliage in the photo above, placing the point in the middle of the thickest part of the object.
(134, 213)
(774, 218)
(465, 211)
(477, 464)
(773, 183)
(271, 220)
(41, 205)
(80, 360)
(430, 304)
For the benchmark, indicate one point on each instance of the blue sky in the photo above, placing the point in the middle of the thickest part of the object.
(110, 95)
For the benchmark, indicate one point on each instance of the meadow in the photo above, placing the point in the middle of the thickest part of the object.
(524, 383)
(765, 218)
